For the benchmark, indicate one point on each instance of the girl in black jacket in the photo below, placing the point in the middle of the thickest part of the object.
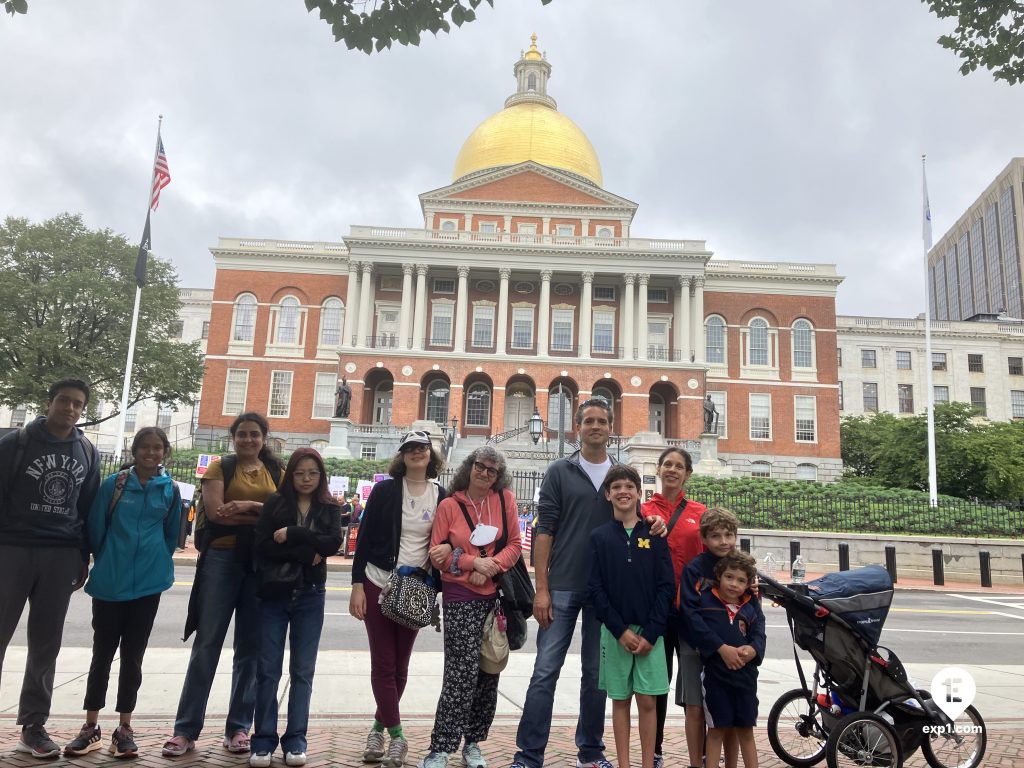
(297, 530)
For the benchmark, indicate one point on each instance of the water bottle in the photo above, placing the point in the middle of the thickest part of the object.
(798, 570)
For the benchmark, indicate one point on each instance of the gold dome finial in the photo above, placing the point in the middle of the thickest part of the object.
(533, 54)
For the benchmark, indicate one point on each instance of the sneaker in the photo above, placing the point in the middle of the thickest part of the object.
(374, 751)
(435, 760)
(659, 761)
(259, 760)
(599, 763)
(37, 742)
(294, 758)
(122, 742)
(398, 750)
(86, 741)
(471, 757)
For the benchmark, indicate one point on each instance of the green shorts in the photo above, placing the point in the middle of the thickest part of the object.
(623, 674)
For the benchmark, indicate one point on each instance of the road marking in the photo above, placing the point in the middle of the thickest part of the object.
(992, 601)
(950, 611)
(928, 631)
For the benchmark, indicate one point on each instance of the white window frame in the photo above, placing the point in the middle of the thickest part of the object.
(131, 418)
(431, 387)
(332, 304)
(368, 451)
(512, 327)
(475, 387)
(801, 401)
(608, 296)
(909, 357)
(483, 311)
(864, 405)
(243, 318)
(563, 314)
(165, 415)
(488, 228)
(605, 232)
(1016, 404)
(277, 379)
(292, 306)
(275, 344)
(874, 358)
(604, 312)
(750, 415)
(653, 295)
(526, 229)
(565, 230)
(814, 469)
(935, 390)
(450, 227)
(660, 351)
(761, 463)
(449, 314)
(724, 362)
(749, 369)
(440, 285)
(899, 400)
(804, 372)
(325, 386)
(243, 375)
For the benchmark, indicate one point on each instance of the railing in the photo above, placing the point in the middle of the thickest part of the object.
(507, 435)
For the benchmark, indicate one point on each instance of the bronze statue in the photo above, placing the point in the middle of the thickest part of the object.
(710, 414)
(344, 394)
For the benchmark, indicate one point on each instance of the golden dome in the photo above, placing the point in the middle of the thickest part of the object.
(533, 54)
(528, 131)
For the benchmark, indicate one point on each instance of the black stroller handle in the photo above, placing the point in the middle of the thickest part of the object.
(776, 590)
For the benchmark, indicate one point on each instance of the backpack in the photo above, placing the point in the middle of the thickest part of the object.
(202, 532)
(91, 459)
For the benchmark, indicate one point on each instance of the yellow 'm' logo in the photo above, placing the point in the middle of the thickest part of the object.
(643, 543)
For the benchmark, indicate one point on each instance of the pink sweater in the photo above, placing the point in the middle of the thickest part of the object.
(450, 525)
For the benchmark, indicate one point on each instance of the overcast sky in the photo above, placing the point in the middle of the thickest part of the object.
(772, 130)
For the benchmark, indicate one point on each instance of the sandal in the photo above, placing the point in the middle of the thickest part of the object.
(237, 743)
(178, 745)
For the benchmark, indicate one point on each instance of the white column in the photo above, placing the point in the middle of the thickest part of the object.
(419, 321)
(544, 313)
(405, 318)
(641, 320)
(351, 305)
(683, 318)
(365, 307)
(586, 315)
(698, 319)
(502, 319)
(628, 322)
(461, 302)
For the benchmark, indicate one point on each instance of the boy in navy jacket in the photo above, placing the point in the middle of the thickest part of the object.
(631, 586)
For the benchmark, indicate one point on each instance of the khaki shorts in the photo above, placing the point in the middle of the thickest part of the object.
(622, 674)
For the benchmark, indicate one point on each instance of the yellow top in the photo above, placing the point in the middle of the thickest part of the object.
(528, 132)
(533, 54)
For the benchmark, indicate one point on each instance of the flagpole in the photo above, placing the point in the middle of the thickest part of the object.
(933, 490)
(123, 415)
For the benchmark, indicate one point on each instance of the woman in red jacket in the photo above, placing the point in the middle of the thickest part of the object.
(682, 517)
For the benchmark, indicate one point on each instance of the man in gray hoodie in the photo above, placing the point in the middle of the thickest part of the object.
(49, 474)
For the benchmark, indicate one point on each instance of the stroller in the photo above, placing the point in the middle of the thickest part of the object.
(859, 709)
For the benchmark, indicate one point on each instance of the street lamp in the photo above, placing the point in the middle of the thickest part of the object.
(455, 424)
(536, 426)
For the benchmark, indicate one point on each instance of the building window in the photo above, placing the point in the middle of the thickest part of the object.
(841, 406)
(803, 344)
(531, 82)
(323, 395)
(714, 345)
(604, 293)
(938, 361)
(441, 325)
(245, 318)
(483, 326)
(565, 230)
(195, 417)
(805, 412)
(436, 409)
(369, 450)
(131, 417)
(288, 321)
(657, 295)
(163, 416)
(444, 285)
(870, 397)
(760, 417)
(1015, 366)
(839, 357)
(280, 393)
(806, 472)
(940, 394)
(905, 395)
(721, 406)
(478, 406)
(1016, 404)
(332, 316)
(177, 329)
(18, 416)
(902, 360)
(867, 358)
(975, 364)
(236, 387)
(760, 469)
(526, 229)
(488, 228)
(522, 328)
(657, 340)
(561, 329)
(604, 331)
(604, 232)
(758, 342)
(978, 401)
(206, 329)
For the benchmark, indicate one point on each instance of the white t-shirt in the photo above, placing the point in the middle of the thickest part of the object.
(417, 522)
(596, 472)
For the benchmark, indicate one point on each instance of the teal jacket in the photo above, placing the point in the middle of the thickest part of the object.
(133, 558)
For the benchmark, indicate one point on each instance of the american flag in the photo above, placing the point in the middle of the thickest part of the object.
(161, 175)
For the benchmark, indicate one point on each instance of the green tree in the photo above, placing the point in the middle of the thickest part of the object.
(989, 35)
(66, 299)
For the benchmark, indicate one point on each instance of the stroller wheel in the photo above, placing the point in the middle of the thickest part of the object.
(795, 729)
(863, 739)
(964, 747)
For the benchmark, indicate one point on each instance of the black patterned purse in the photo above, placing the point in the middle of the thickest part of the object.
(409, 598)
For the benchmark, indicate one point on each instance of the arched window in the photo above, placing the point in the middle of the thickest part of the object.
(760, 469)
(332, 317)
(565, 411)
(531, 82)
(605, 394)
(436, 409)
(478, 406)
(448, 226)
(758, 353)
(288, 321)
(806, 472)
(245, 318)
(803, 344)
(714, 351)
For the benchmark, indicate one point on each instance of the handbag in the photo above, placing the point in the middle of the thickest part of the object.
(494, 645)
(409, 598)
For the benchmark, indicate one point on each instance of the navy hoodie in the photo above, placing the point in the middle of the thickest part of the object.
(746, 627)
(631, 579)
(698, 573)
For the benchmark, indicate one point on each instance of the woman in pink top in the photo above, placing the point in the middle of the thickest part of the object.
(467, 546)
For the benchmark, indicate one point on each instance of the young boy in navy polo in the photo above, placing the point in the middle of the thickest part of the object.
(733, 613)
(631, 586)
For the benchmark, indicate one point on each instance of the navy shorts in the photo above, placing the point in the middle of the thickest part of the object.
(728, 707)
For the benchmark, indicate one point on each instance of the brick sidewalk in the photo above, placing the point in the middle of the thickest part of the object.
(341, 744)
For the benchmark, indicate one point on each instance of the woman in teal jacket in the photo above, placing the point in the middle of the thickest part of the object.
(133, 530)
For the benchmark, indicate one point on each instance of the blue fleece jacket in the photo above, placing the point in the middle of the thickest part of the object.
(631, 579)
(697, 574)
(133, 556)
(746, 627)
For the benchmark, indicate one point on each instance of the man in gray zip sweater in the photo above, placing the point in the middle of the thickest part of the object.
(49, 475)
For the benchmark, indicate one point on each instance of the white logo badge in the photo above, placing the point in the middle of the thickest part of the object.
(953, 690)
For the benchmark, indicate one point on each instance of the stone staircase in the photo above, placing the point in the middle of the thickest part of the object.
(520, 453)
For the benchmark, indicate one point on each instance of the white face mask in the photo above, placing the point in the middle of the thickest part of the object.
(483, 535)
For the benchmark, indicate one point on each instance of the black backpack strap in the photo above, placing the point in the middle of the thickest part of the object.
(227, 469)
(675, 517)
(503, 539)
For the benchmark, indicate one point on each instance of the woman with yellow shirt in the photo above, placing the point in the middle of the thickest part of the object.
(233, 492)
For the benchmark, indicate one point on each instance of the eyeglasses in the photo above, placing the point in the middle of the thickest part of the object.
(311, 475)
(479, 466)
(416, 448)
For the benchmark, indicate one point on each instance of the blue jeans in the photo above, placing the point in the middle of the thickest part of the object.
(302, 617)
(552, 645)
(227, 588)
